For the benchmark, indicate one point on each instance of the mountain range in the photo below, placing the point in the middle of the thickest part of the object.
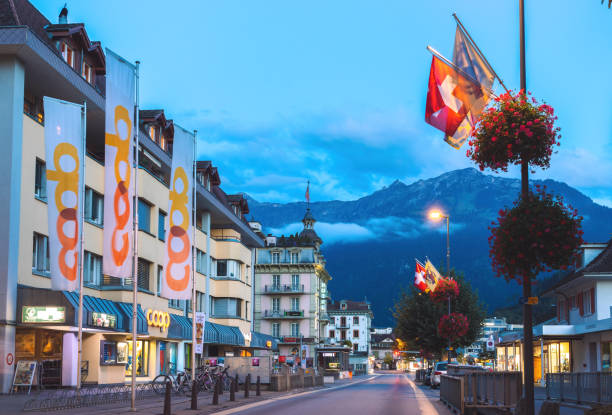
(371, 243)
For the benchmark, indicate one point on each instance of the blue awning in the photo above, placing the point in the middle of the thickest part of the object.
(238, 335)
(211, 335)
(180, 327)
(227, 335)
(94, 304)
(141, 323)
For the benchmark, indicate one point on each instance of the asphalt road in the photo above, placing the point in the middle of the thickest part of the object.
(380, 394)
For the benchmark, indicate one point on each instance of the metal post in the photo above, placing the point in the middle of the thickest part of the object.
(135, 259)
(193, 259)
(82, 250)
(448, 276)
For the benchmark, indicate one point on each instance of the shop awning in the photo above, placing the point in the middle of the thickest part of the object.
(141, 322)
(180, 327)
(227, 334)
(260, 340)
(95, 305)
(210, 333)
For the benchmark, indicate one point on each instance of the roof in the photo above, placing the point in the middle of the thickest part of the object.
(378, 338)
(350, 306)
(601, 264)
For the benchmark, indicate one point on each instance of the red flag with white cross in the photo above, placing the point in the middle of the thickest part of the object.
(419, 277)
(450, 97)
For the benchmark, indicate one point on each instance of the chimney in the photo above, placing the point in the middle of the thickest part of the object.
(63, 16)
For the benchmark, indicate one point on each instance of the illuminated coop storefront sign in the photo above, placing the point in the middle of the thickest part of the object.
(158, 318)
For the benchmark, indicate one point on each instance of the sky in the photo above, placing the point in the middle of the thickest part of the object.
(334, 92)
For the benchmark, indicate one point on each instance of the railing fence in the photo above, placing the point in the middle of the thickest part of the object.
(593, 387)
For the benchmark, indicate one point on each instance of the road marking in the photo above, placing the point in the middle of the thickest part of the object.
(425, 406)
(284, 397)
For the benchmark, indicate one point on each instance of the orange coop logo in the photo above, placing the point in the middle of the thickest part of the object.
(179, 201)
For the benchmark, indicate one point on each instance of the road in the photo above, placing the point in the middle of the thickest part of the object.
(380, 394)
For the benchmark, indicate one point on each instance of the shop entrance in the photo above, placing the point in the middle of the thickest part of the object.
(44, 346)
(167, 357)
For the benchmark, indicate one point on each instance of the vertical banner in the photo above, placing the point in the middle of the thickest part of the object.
(200, 321)
(176, 279)
(63, 152)
(118, 154)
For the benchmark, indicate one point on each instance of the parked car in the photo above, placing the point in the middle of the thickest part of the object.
(427, 380)
(439, 369)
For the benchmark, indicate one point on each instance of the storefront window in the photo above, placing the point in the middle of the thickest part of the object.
(511, 360)
(564, 356)
(606, 351)
(553, 355)
(142, 358)
(108, 352)
(501, 358)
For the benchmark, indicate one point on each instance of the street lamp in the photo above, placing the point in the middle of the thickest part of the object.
(436, 215)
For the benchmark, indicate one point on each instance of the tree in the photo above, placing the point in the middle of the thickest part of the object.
(418, 317)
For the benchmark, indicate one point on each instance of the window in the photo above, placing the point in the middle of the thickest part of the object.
(144, 268)
(233, 269)
(94, 207)
(342, 334)
(68, 54)
(295, 304)
(294, 257)
(144, 216)
(276, 257)
(275, 329)
(342, 321)
(332, 333)
(200, 262)
(295, 330)
(160, 273)
(586, 300)
(163, 143)
(276, 305)
(200, 301)
(221, 268)
(175, 304)
(226, 307)
(246, 311)
(108, 352)
(276, 282)
(295, 282)
(198, 220)
(40, 253)
(161, 225)
(87, 72)
(92, 269)
(40, 180)
(356, 334)
(355, 320)
(356, 347)
(153, 133)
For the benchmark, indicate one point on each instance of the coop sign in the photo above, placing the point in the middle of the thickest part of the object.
(158, 318)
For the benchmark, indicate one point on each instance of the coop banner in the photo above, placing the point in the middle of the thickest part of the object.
(63, 153)
(118, 173)
(200, 322)
(178, 256)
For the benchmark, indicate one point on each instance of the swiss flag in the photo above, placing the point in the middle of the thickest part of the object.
(419, 277)
(450, 97)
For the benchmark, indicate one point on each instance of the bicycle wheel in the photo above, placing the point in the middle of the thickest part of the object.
(159, 383)
(227, 383)
(206, 382)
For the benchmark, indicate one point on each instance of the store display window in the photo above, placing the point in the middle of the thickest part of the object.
(142, 357)
(606, 351)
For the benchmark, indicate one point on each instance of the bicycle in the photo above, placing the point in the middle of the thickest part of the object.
(181, 382)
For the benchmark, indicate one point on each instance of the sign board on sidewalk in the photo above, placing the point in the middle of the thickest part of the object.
(24, 373)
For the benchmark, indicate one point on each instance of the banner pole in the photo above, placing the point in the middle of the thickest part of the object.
(135, 259)
(193, 258)
(82, 250)
(464, 30)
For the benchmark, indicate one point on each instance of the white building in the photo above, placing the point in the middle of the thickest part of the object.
(491, 328)
(350, 321)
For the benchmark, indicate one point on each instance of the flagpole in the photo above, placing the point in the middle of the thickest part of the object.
(458, 69)
(82, 250)
(193, 259)
(464, 30)
(135, 258)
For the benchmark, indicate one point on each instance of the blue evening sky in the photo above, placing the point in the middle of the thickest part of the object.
(334, 91)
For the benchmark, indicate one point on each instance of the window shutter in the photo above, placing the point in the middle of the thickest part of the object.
(580, 304)
(593, 300)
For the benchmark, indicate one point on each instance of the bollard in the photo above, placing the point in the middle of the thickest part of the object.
(167, 397)
(236, 384)
(233, 388)
(221, 383)
(194, 394)
(247, 380)
(258, 388)
(216, 393)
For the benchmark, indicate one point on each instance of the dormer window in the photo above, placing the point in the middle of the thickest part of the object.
(153, 133)
(87, 72)
(294, 257)
(342, 306)
(163, 143)
(276, 257)
(68, 54)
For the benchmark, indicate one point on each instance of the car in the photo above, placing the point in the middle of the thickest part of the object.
(438, 370)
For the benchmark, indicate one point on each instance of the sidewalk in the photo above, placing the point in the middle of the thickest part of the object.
(13, 404)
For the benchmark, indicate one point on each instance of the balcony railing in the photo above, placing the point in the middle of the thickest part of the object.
(284, 314)
(292, 339)
(283, 289)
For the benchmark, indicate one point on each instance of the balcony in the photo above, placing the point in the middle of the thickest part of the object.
(284, 289)
(288, 314)
(292, 339)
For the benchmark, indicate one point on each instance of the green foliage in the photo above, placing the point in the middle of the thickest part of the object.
(388, 359)
(346, 343)
(417, 317)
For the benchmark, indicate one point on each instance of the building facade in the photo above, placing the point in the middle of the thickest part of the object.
(491, 327)
(382, 344)
(579, 339)
(39, 58)
(291, 292)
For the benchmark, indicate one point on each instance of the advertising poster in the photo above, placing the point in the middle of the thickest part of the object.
(200, 321)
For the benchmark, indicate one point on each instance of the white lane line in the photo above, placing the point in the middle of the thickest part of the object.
(425, 406)
(282, 398)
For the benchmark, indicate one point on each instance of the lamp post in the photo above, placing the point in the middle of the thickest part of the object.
(436, 215)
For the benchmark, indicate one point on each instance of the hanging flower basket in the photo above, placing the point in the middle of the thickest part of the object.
(514, 129)
(445, 288)
(452, 326)
(538, 234)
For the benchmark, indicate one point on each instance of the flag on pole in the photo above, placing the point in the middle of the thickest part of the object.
(63, 153)
(432, 276)
(466, 58)
(419, 277)
(118, 165)
(450, 97)
(308, 192)
(177, 281)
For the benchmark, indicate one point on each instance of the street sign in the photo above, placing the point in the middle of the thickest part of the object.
(528, 300)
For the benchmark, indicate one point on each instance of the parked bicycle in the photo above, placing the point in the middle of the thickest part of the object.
(181, 382)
